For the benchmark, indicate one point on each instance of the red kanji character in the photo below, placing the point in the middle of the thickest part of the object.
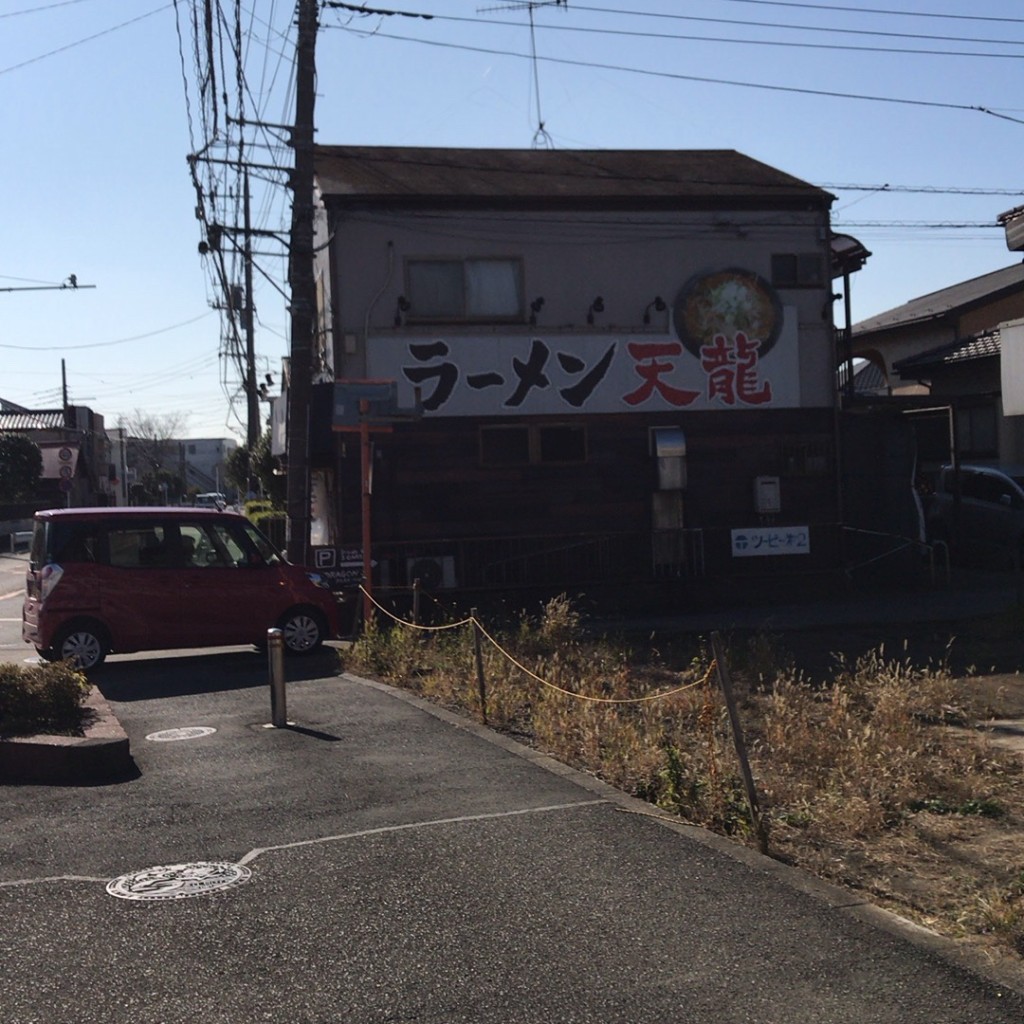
(651, 371)
(747, 355)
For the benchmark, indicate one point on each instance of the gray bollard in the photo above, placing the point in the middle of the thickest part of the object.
(275, 657)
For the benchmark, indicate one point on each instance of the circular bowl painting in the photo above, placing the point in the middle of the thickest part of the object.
(727, 302)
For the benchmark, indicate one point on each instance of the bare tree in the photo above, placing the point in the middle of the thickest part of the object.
(152, 439)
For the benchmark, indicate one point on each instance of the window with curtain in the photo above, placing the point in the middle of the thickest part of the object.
(470, 290)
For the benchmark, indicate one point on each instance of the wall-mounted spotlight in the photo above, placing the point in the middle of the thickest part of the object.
(535, 308)
(401, 308)
(658, 304)
(597, 306)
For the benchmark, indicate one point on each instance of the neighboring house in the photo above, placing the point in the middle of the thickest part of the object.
(625, 364)
(196, 464)
(77, 468)
(205, 462)
(941, 318)
(946, 347)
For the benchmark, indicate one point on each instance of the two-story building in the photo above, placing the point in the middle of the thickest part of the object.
(583, 365)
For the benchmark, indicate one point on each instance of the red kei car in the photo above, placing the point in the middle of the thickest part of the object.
(134, 579)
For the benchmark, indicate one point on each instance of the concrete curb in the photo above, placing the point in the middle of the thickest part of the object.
(101, 755)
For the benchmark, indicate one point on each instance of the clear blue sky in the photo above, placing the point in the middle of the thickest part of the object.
(101, 105)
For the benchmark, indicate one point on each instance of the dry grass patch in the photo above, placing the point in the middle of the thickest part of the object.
(861, 778)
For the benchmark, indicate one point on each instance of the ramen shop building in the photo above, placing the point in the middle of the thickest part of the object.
(577, 366)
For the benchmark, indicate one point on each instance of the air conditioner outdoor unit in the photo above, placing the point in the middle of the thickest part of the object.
(435, 572)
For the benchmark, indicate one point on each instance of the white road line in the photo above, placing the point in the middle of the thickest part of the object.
(383, 830)
(253, 854)
(52, 878)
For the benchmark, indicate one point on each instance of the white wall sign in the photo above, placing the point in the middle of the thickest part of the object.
(1011, 345)
(771, 540)
(502, 375)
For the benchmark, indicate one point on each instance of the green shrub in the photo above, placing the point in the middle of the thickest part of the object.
(257, 506)
(41, 698)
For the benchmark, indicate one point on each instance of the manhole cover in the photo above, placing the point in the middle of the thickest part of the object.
(178, 881)
(192, 732)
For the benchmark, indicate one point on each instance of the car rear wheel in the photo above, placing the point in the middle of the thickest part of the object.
(303, 631)
(83, 644)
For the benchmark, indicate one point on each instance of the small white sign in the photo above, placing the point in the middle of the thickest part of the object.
(771, 540)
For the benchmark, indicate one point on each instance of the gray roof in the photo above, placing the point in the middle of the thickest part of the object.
(607, 178)
(978, 346)
(868, 378)
(947, 302)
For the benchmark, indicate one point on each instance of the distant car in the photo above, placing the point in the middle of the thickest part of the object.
(211, 499)
(978, 510)
(132, 579)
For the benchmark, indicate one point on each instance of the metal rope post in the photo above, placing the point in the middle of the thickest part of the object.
(275, 658)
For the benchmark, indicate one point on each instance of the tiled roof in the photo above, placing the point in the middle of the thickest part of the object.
(978, 346)
(947, 301)
(45, 419)
(467, 176)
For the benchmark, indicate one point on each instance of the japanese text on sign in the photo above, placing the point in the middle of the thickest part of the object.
(771, 540)
(466, 376)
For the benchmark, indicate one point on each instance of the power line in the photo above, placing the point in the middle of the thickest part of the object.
(830, 29)
(87, 39)
(38, 10)
(795, 44)
(677, 76)
(872, 10)
(104, 344)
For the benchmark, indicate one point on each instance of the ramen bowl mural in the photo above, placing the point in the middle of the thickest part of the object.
(725, 304)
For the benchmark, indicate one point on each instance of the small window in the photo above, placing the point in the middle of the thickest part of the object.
(976, 432)
(546, 444)
(504, 446)
(474, 289)
(797, 270)
(562, 443)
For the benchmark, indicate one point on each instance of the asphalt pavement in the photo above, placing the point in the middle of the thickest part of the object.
(381, 860)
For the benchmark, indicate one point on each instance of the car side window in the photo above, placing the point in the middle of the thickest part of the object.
(139, 547)
(197, 550)
(971, 485)
(78, 542)
(991, 489)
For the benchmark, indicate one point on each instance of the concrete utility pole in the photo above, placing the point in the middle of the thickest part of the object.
(252, 432)
(303, 287)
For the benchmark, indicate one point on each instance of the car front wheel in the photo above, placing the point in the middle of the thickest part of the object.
(302, 631)
(84, 645)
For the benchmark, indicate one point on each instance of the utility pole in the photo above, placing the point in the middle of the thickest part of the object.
(252, 396)
(303, 287)
(64, 392)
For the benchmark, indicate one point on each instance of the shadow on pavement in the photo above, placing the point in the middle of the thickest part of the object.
(175, 675)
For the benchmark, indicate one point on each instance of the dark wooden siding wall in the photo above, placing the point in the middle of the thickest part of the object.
(429, 484)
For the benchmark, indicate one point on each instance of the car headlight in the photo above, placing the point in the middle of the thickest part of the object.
(318, 581)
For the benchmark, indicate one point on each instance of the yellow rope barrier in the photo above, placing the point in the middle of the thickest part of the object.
(471, 620)
(582, 696)
(413, 625)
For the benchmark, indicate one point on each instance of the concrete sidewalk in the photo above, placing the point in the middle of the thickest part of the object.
(406, 864)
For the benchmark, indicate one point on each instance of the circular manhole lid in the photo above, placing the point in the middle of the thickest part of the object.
(191, 732)
(178, 881)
